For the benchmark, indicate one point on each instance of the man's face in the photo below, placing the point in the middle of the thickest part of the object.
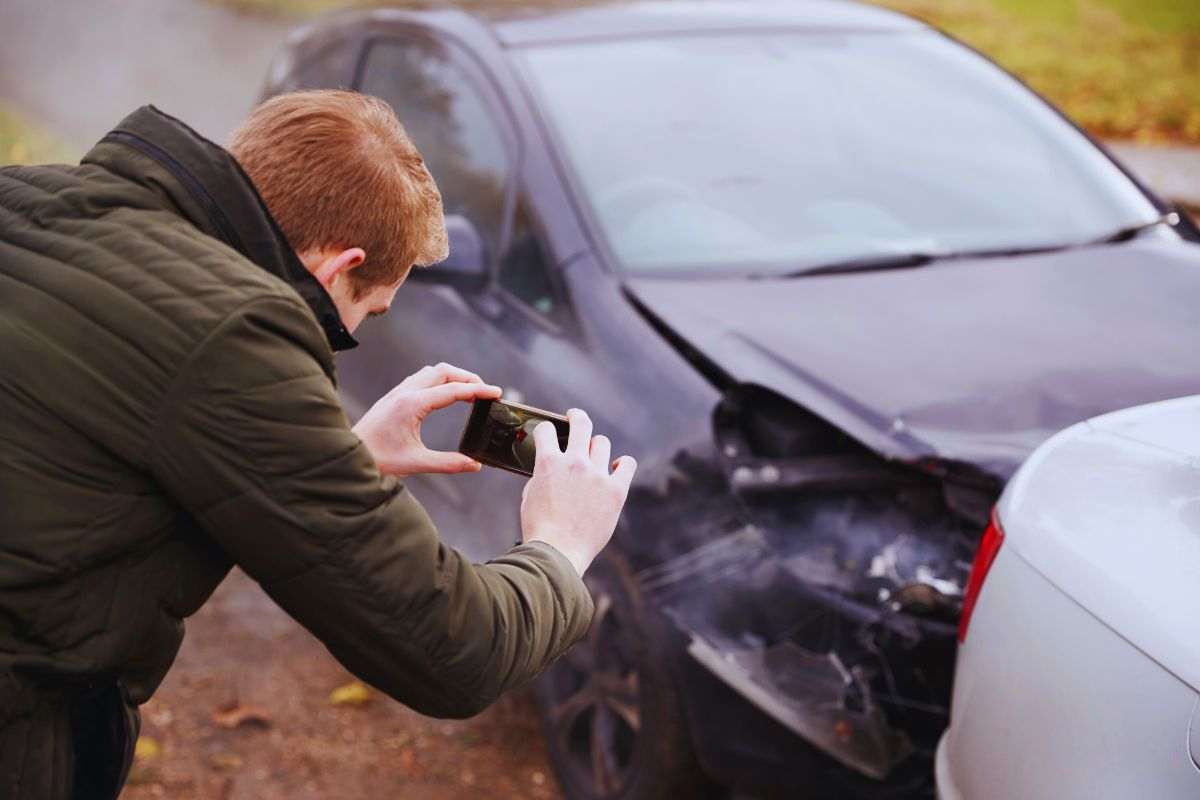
(332, 267)
(371, 303)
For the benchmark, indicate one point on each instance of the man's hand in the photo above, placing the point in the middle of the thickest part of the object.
(391, 430)
(572, 501)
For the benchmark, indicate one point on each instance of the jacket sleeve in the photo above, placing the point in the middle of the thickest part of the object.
(253, 443)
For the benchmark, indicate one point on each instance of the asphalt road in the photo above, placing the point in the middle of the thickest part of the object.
(77, 67)
(1173, 172)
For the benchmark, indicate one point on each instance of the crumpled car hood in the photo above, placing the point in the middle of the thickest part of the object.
(977, 361)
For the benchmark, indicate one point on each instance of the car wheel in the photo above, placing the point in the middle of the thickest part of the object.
(611, 715)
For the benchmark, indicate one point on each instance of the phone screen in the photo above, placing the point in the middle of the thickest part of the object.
(500, 434)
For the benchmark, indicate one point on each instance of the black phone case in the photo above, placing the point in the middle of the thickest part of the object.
(479, 423)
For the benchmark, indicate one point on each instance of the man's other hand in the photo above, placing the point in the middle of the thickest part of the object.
(572, 501)
(391, 430)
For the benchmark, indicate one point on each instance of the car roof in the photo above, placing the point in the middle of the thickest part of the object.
(604, 20)
(546, 21)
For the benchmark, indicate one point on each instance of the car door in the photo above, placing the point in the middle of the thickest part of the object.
(537, 335)
(470, 148)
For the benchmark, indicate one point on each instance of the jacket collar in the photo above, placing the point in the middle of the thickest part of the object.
(215, 194)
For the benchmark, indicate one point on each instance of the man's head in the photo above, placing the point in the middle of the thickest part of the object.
(349, 190)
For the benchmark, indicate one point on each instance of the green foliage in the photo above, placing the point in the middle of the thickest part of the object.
(1126, 69)
(1056, 12)
(1179, 16)
(21, 143)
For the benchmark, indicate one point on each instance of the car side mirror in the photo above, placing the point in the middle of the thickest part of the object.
(466, 267)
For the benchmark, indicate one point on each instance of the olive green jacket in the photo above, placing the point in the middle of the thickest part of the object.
(167, 410)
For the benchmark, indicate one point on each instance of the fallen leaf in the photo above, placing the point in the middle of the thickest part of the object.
(146, 748)
(225, 761)
(396, 742)
(162, 717)
(354, 693)
(237, 715)
(408, 763)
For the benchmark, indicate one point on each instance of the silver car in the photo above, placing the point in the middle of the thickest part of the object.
(1079, 665)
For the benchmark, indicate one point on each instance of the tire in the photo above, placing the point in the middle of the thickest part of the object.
(611, 715)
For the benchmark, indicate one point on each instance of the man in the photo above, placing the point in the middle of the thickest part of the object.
(168, 316)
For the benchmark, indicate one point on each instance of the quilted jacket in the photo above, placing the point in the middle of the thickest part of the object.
(168, 410)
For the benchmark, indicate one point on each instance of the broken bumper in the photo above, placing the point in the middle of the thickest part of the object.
(854, 688)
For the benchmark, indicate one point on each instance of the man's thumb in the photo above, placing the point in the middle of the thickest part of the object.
(443, 461)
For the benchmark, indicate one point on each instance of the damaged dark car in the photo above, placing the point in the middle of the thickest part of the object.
(830, 276)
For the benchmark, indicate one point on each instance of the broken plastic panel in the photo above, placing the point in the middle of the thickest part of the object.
(816, 579)
(779, 622)
(807, 693)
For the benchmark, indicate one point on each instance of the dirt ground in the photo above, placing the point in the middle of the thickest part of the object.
(246, 664)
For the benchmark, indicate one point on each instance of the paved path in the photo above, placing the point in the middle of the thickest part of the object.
(1173, 172)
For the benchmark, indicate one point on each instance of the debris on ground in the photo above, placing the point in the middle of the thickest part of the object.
(354, 693)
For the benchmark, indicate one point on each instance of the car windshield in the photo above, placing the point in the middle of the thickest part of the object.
(774, 152)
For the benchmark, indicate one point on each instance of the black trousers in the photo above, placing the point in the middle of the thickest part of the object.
(104, 729)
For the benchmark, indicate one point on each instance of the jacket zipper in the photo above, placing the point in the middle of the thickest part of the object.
(168, 162)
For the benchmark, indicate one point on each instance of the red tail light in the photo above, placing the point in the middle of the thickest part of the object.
(989, 546)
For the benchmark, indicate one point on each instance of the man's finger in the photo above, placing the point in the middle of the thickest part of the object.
(623, 474)
(436, 375)
(545, 442)
(581, 432)
(447, 394)
(601, 450)
(448, 373)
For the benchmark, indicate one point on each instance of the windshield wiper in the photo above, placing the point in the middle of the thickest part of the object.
(864, 264)
(887, 261)
(1170, 219)
(914, 259)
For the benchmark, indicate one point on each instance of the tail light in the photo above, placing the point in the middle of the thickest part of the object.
(989, 546)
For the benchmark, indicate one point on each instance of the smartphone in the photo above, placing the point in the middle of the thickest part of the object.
(500, 434)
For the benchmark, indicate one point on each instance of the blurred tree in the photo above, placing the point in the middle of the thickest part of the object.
(22, 143)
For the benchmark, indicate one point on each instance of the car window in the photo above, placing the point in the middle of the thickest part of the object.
(524, 270)
(447, 118)
(331, 68)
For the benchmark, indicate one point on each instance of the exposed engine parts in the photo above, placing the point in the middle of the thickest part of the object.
(818, 580)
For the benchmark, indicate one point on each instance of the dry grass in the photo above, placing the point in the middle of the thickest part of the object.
(1122, 69)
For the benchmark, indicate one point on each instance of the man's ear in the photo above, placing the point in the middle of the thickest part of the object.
(331, 263)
